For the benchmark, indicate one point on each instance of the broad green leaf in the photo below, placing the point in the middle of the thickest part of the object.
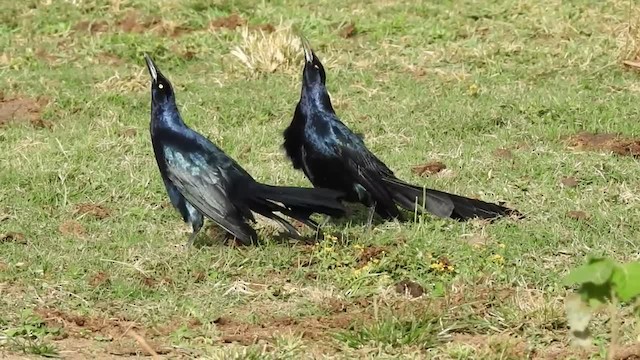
(597, 271)
(595, 295)
(578, 317)
(626, 281)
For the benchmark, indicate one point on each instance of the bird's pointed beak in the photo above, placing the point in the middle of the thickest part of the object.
(306, 47)
(153, 71)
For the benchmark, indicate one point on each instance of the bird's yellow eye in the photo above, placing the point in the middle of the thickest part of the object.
(160, 86)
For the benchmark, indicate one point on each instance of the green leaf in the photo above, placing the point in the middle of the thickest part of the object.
(597, 271)
(595, 295)
(626, 281)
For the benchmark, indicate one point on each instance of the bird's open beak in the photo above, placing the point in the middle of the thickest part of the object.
(308, 53)
(152, 68)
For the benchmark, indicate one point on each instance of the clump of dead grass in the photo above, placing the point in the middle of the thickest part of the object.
(628, 36)
(268, 52)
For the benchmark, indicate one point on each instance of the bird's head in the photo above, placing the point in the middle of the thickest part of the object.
(161, 89)
(313, 72)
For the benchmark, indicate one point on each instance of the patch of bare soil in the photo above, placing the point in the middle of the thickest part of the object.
(410, 288)
(17, 109)
(92, 27)
(72, 228)
(348, 31)
(312, 327)
(370, 253)
(430, 168)
(228, 22)
(96, 211)
(125, 338)
(614, 143)
(14, 237)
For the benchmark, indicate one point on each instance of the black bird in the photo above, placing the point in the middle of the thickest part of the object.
(332, 156)
(202, 180)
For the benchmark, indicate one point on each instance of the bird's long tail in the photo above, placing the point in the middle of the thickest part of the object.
(297, 203)
(444, 204)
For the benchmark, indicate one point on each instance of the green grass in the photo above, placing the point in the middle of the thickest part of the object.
(445, 81)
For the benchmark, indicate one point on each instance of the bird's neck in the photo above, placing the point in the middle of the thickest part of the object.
(166, 114)
(316, 98)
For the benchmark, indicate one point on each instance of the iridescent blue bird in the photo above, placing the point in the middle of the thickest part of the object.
(202, 180)
(332, 156)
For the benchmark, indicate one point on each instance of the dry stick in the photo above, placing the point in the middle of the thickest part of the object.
(143, 344)
(615, 325)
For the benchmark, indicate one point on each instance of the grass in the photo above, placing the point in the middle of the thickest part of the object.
(91, 248)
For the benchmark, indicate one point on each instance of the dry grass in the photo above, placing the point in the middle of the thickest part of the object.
(267, 52)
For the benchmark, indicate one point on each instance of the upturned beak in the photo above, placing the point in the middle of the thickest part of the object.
(306, 47)
(151, 67)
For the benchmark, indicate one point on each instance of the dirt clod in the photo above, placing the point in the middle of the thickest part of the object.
(14, 237)
(92, 27)
(227, 22)
(503, 153)
(17, 109)
(614, 143)
(99, 279)
(569, 182)
(370, 253)
(348, 31)
(409, 287)
(99, 212)
(72, 228)
(578, 215)
(430, 168)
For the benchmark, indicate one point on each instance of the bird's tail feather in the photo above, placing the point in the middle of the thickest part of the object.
(295, 202)
(444, 204)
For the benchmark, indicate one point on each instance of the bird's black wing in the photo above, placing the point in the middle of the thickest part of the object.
(364, 166)
(205, 180)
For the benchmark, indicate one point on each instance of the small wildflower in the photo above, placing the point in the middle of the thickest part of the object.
(502, 246)
(498, 259)
(330, 237)
(474, 89)
(358, 247)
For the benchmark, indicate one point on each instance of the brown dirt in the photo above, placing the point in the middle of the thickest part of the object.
(99, 212)
(311, 328)
(409, 287)
(578, 215)
(134, 22)
(614, 143)
(92, 27)
(503, 153)
(109, 59)
(128, 133)
(430, 168)
(17, 109)
(100, 279)
(569, 182)
(348, 31)
(14, 237)
(370, 253)
(112, 329)
(72, 228)
(228, 22)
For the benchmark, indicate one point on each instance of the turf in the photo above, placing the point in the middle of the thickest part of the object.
(91, 262)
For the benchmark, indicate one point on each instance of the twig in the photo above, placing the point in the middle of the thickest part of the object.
(143, 344)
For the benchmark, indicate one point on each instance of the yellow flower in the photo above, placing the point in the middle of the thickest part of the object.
(330, 237)
(358, 247)
(498, 259)
(502, 246)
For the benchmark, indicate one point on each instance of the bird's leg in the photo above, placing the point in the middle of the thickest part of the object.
(372, 211)
(196, 225)
(192, 238)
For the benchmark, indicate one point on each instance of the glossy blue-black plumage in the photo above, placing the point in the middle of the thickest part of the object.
(332, 156)
(202, 180)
